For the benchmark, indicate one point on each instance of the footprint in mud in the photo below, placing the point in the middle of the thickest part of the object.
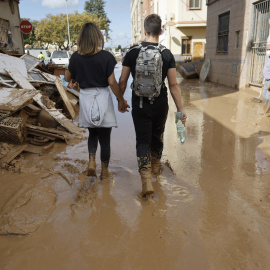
(159, 213)
(87, 192)
(183, 193)
(71, 168)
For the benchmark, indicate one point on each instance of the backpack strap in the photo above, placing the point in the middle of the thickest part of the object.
(136, 46)
(145, 60)
(161, 47)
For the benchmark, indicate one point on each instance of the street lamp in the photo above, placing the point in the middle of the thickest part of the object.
(68, 26)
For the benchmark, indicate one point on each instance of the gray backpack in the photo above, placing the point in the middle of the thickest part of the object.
(148, 72)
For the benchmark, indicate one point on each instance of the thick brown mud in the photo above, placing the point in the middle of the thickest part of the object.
(210, 209)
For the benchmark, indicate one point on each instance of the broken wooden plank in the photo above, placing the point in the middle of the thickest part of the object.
(59, 117)
(74, 92)
(19, 79)
(41, 82)
(73, 100)
(11, 62)
(8, 80)
(12, 99)
(49, 77)
(24, 115)
(32, 109)
(30, 61)
(63, 94)
(7, 83)
(47, 132)
(13, 153)
(43, 134)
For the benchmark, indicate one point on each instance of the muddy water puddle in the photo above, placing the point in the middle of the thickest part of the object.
(210, 209)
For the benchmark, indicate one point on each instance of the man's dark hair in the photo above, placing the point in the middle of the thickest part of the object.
(152, 25)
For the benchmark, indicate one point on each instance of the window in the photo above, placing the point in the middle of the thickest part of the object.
(237, 39)
(186, 46)
(223, 32)
(195, 4)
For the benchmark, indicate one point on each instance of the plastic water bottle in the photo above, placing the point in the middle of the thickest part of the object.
(181, 132)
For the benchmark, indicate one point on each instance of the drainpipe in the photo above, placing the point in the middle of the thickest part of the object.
(169, 38)
(22, 42)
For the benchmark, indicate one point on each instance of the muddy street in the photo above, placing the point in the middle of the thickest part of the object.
(210, 209)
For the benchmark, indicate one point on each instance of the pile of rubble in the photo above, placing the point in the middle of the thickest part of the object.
(35, 108)
(195, 69)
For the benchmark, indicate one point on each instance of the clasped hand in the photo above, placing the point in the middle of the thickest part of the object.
(123, 106)
(72, 84)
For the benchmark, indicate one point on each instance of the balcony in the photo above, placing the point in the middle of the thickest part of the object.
(191, 24)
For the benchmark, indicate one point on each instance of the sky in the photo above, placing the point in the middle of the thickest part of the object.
(118, 11)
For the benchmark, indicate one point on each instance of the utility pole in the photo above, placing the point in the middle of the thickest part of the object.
(68, 26)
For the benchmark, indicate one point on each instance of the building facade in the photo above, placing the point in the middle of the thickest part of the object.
(140, 9)
(11, 37)
(183, 22)
(184, 25)
(236, 35)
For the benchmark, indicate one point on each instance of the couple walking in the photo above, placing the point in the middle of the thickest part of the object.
(93, 69)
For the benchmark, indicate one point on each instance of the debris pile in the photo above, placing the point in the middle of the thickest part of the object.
(195, 69)
(35, 108)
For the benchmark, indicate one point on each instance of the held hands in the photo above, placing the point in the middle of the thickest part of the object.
(72, 84)
(180, 115)
(123, 106)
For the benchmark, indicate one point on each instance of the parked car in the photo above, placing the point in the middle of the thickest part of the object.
(60, 58)
(36, 52)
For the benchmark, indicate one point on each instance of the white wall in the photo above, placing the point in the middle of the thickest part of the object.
(175, 13)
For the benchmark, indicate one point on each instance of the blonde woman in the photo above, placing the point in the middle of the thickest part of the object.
(93, 68)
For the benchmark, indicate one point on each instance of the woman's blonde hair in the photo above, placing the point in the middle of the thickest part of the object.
(90, 39)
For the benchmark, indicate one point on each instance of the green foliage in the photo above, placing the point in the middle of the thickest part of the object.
(96, 7)
(119, 47)
(30, 38)
(53, 29)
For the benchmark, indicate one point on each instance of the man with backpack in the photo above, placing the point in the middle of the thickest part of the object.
(150, 63)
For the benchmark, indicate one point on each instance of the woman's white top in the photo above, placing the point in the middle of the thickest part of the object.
(96, 108)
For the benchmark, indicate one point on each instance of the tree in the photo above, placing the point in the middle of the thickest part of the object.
(30, 38)
(119, 47)
(53, 29)
(96, 7)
